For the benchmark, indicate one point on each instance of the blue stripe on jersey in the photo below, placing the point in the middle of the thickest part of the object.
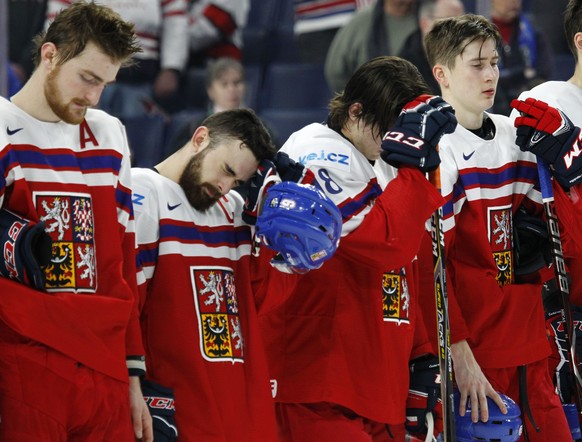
(106, 160)
(498, 178)
(147, 257)
(123, 198)
(217, 236)
(479, 178)
(352, 206)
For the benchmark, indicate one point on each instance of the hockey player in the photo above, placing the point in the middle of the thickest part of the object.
(566, 96)
(68, 313)
(199, 319)
(339, 346)
(486, 179)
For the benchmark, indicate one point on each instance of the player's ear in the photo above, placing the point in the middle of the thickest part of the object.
(200, 139)
(578, 41)
(355, 111)
(48, 55)
(440, 75)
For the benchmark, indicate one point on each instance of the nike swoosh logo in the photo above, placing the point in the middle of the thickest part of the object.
(170, 207)
(12, 132)
(467, 157)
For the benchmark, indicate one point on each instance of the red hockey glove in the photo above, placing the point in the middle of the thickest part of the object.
(160, 402)
(418, 129)
(424, 398)
(26, 249)
(256, 188)
(549, 134)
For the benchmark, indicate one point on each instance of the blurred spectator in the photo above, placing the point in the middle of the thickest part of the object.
(316, 23)
(378, 30)
(525, 56)
(413, 50)
(225, 86)
(215, 29)
(25, 20)
(161, 26)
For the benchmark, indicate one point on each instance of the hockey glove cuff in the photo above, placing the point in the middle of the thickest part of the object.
(549, 134)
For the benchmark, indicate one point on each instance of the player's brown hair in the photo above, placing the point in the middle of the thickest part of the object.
(84, 22)
(450, 36)
(382, 85)
(244, 125)
(573, 24)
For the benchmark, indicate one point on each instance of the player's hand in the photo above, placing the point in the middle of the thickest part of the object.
(549, 134)
(472, 383)
(256, 188)
(140, 416)
(27, 249)
(414, 138)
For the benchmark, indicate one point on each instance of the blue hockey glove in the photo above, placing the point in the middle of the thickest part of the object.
(418, 129)
(26, 249)
(549, 134)
(160, 402)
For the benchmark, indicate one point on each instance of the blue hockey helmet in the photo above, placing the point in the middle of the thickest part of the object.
(301, 223)
(500, 427)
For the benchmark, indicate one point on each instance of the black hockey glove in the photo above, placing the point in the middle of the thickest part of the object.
(413, 139)
(256, 188)
(160, 401)
(532, 248)
(26, 249)
(549, 134)
(564, 379)
(424, 397)
(289, 169)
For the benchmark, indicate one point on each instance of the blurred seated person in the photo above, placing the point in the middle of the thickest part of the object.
(525, 56)
(225, 87)
(215, 29)
(161, 27)
(373, 31)
(413, 50)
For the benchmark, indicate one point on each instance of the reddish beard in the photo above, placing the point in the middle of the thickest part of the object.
(53, 95)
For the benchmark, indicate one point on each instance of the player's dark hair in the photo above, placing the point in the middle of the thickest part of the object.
(244, 125)
(84, 22)
(382, 86)
(450, 36)
(573, 24)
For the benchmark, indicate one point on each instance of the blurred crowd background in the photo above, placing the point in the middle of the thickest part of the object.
(283, 58)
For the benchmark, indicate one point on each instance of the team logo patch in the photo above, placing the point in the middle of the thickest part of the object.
(218, 316)
(69, 222)
(501, 241)
(395, 298)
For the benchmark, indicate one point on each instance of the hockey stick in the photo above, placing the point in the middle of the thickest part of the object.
(442, 316)
(561, 276)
